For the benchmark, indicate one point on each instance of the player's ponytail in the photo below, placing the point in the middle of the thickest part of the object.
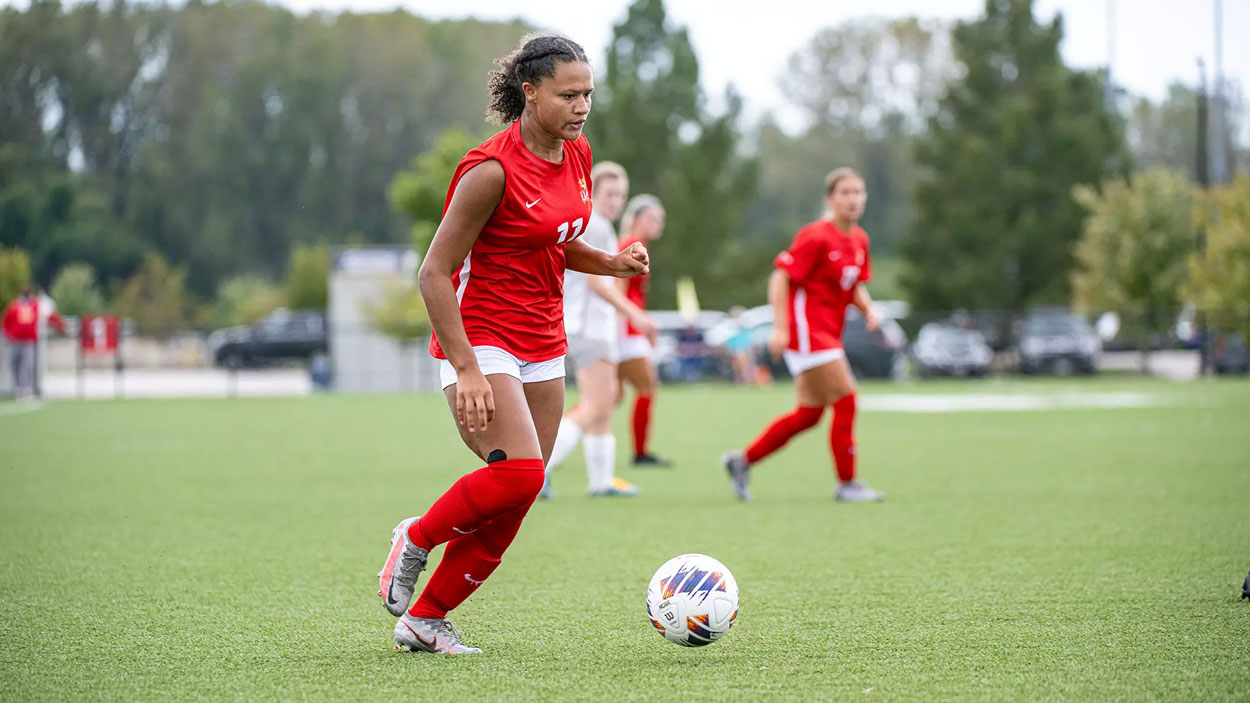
(635, 207)
(535, 59)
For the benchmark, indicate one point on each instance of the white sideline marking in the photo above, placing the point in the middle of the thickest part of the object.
(1010, 402)
(19, 408)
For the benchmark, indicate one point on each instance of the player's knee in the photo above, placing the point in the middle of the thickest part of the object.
(807, 417)
(519, 479)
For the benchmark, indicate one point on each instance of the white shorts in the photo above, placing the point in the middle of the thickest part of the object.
(634, 347)
(584, 351)
(798, 362)
(493, 360)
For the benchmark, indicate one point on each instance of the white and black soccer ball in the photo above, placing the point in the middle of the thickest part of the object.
(692, 600)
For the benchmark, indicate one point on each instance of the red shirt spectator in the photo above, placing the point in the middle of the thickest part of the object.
(21, 318)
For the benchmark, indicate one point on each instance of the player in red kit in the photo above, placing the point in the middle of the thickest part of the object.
(822, 272)
(492, 283)
(642, 223)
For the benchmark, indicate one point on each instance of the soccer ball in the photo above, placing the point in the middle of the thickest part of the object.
(692, 600)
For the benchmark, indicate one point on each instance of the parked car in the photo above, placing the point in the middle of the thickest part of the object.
(1230, 354)
(283, 335)
(949, 350)
(1058, 342)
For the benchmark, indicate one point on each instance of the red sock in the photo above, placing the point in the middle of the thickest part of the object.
(642, 423)
(842, 437)
(781, 430)
(467, 562)
(476, 499)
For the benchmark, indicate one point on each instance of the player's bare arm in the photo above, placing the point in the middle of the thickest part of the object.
(631, 261)
(609, 291)
(778, 289)
(863, 301)
(476, 197)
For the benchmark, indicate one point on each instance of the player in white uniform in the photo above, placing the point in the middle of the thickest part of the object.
(590, 307)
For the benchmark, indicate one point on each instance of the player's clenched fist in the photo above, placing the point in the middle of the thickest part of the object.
(631, 261)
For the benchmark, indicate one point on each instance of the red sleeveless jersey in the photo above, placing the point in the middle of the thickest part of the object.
(824, 265)
(511, 285)
(636, 290)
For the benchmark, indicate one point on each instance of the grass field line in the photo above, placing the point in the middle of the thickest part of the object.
(1015, 402)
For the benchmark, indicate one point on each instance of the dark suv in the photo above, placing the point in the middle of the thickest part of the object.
(283, 335)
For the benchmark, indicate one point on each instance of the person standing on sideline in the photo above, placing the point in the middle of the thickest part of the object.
(823, 271)
(590, 307)
(21, 327)
(492, 282)
(642, 223)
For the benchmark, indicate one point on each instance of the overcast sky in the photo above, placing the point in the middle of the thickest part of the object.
(748, 41)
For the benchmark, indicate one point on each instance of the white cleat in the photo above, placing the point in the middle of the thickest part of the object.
(855, 492)
(735, 464)
(433, 635)
(398, 577)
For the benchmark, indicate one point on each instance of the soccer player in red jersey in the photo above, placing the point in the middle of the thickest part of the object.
(591, 307)
(492, 283)
(642, 223)
(822, 272)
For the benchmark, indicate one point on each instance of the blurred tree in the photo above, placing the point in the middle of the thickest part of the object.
(244, 300)
(221, 134)
(308, 277)
(1165, 133)
(14, 273)
(873, 76)
(863, 90)
(649, 117)
(1132, 255)
(156, 299)
(1013, 135)
(646, 102)
(421, 191)
(1220, 271)
(75, 292)
(401, 315)
(705, 195)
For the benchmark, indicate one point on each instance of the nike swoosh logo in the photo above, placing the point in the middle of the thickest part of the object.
(432, 644)
(464, 532)
(530, 205)
(391, 599)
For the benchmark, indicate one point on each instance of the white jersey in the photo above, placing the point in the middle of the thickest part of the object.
(586, 315)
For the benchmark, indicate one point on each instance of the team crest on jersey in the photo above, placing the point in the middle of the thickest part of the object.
(859, 258)
(581, 183)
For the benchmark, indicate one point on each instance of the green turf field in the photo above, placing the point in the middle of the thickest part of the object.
(227, 549)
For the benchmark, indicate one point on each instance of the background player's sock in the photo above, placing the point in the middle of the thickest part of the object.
(842, 437)
(566, 441)
(784, 427)
(476, 499)
(467, 561)
(600, 453)
(642, 423)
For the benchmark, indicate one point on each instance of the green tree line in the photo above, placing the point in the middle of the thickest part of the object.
(217, 148)
(218, 136)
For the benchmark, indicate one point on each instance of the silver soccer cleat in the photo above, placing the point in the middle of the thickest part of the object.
(398, 577)
(433, 635)
(739, 473)
(855, 492)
